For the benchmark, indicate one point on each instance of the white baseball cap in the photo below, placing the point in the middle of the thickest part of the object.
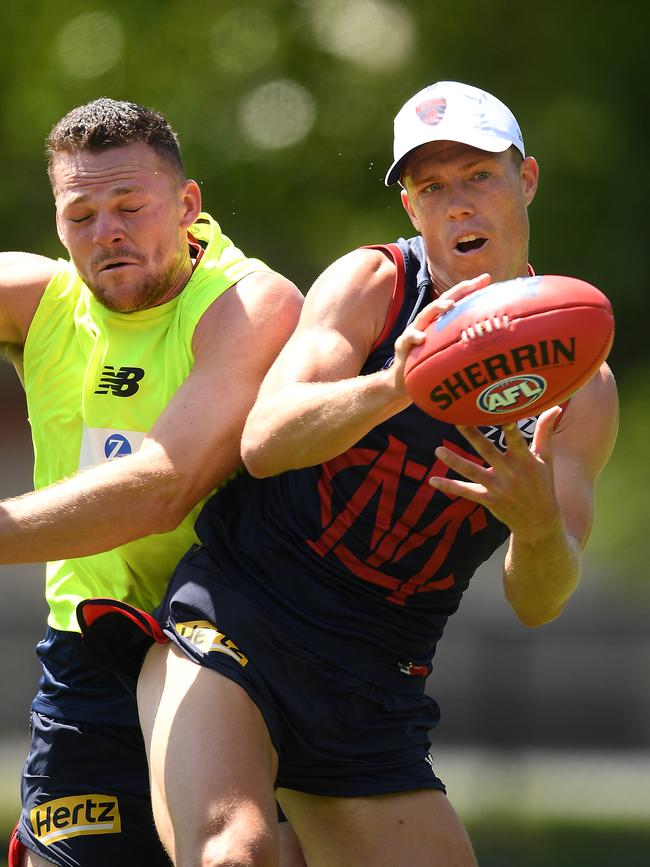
(451, 111)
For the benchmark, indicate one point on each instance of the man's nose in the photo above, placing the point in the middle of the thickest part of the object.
(459, 205)
(108, 230)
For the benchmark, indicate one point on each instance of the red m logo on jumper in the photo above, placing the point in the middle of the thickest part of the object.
(394, 538)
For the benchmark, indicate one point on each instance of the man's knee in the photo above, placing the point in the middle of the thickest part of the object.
(230, 850)
(238, 837)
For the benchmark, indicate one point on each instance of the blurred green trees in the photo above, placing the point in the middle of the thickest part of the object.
(285, 107)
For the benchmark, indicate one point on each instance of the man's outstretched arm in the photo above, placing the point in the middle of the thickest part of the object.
(193, 447)
(544, 494)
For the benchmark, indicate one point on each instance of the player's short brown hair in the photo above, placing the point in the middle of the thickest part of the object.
(105, 123)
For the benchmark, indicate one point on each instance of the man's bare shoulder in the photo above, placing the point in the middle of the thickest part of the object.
(260, 303)
(25, 269)
(360, 272)
(355, 291)
(268, 287)
(23, 279)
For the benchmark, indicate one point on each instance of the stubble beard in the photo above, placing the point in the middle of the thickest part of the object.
(148, 293)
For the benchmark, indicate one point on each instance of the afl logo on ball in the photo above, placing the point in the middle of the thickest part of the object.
(513, 393)
(116, 446)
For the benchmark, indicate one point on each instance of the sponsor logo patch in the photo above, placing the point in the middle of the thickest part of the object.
(121, 383)
(431, 111)
(516, 392)
(103, 444)
(116, 446)
(74, 816)
(209, 639)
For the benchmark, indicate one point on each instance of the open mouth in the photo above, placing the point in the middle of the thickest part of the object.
(112, 266)
(469, 243)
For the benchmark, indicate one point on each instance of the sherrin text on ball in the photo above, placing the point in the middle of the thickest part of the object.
(511, 350)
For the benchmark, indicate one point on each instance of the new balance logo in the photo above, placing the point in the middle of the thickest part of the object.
(124, 383)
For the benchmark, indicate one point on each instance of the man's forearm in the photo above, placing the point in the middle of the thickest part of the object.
(324, 419)
(98, 509)
(540, 577)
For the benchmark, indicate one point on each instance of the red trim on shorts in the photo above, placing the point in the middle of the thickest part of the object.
(395, 255)
(91, 610)
(16, 850)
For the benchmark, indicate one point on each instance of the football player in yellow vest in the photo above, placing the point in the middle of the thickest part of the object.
(140, 358)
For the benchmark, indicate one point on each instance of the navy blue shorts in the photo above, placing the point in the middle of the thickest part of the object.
(86, 798)
(335, 733)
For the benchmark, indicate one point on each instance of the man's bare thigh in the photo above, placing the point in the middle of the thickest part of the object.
(411, 829)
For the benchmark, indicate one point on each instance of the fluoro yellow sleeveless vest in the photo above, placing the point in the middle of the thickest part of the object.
(96, 382)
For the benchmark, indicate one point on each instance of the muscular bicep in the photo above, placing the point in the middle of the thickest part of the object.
(235, 342)
(344, 312)
(23, 278)
(582, 446)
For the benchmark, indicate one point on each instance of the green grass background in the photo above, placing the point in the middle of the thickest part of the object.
(503, 841)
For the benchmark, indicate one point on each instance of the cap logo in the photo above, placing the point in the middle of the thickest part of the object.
(431, 111)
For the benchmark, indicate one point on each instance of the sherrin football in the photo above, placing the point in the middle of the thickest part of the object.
(511, 350)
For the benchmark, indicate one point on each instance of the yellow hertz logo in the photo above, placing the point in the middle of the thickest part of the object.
(72, 817)
(207, 638)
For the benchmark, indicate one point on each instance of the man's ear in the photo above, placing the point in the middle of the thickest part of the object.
(529, 171)
(408, 207)
(191, 203)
